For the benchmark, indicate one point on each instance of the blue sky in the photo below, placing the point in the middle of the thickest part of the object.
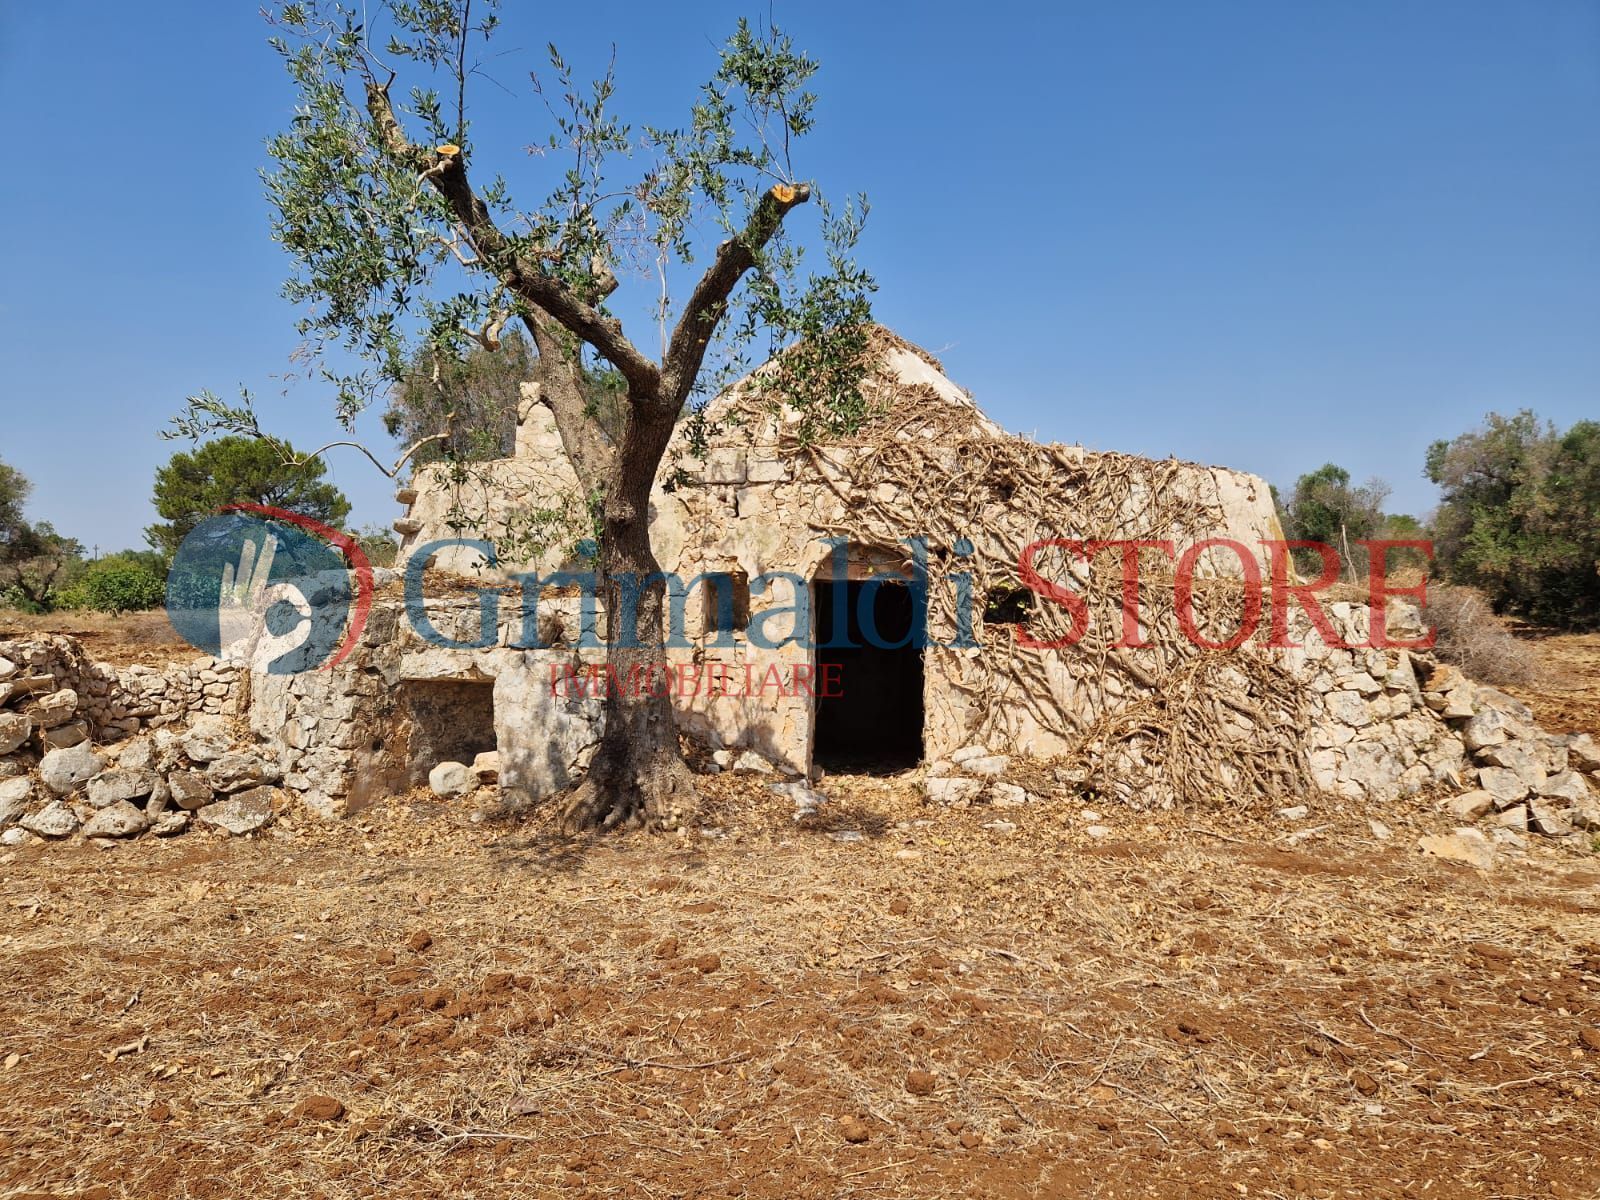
(1260, 234)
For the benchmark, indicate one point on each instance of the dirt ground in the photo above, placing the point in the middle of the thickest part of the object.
(143, 637)
(886, 1000)
(1567, 696)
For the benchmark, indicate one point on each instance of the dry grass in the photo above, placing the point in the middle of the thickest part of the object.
(1196, 1005)
(1477, 641)
(1182, 1008)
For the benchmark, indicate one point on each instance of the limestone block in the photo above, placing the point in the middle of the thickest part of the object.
(68, 769)
(205, 745)
(990, 766)
(486, 767)
(119, 819)
(450, 779)
(73, 733)
(1403, 676)
(1486, 729)
(55, 709)
(1568, 786)
(1471, 805)
(1505, 786)
(1348, 708)
(1008, 795)
(137, 756)
(190, 790)
(119, 784)
(1510, 706)
(767, 470)
(237, 770)
(725, 465)
(1362, 682)
(55, 820)
(1549, 752)
(15, 729)
(241, 814)
(1514, 757)
(171, 823)
(542, 735)
(1583, 752)
(1464, 845)
(1544, 818)
(16, 795)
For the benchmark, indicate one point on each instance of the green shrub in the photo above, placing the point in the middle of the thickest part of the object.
(1519, 516)
(118, 585)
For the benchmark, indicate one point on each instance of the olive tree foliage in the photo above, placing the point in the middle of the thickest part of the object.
(1326, 507)
(1519, 515)
(407, 244)
(477, 400)
(36, 562)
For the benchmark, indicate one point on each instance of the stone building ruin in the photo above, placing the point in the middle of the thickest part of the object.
(776, 528)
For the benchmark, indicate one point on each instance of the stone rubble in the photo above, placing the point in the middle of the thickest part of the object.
(969, 775)
(1528, 781)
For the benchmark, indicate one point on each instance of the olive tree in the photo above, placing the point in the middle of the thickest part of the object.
(35, 560)
(406, 241)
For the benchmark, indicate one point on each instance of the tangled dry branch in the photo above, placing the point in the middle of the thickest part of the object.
(1179, 723)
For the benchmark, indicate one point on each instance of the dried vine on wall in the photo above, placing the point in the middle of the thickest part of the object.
(1168, 723)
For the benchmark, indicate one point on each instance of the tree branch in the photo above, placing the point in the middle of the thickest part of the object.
(301, 460)
(561, 391)
(709, 302)
(443, 168)
(489, 336)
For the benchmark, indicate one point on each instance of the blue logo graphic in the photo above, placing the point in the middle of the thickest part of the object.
(275, 582)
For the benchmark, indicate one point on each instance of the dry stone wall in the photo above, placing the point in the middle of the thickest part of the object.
(53, 695)
(373, 725)
(86, 747)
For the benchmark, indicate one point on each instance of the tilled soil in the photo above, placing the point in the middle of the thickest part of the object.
(887, 1000)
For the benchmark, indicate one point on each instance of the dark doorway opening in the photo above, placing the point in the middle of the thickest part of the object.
(446, 720)
(869, 693)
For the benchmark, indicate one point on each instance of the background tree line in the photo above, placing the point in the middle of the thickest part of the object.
(1518, 517)
(44, 571)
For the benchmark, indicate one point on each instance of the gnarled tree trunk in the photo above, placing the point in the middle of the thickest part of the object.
(637, 776)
